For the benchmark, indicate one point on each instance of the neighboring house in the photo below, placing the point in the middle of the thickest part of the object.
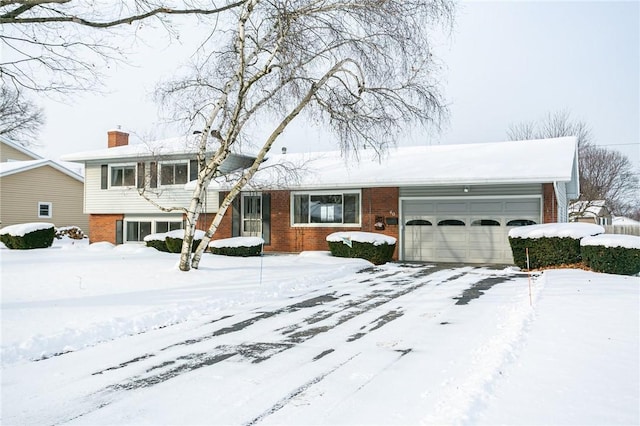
(117, 175)
(590, 212)
(446, 203)
(35, 189)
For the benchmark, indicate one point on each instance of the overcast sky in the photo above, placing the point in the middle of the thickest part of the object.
(506, 62)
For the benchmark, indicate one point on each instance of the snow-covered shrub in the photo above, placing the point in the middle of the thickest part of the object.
(376, 248)
(28, 235)
(73, 232)
(549, 244)
(612, 254)
(237, 246)
(174, 239)
(157, 241)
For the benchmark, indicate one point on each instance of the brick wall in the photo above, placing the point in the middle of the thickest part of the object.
(102, 227)
(117, 138)
(549, 204)
(375, 203)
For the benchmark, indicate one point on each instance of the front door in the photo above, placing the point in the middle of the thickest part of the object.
(251, 215)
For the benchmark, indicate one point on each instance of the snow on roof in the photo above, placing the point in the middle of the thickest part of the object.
(11, 167)
(22, 229)
(612, 240)
(587, 208)
(621, 220)
(182, 145)
(562, 230)
(533, 161)
(20, 148)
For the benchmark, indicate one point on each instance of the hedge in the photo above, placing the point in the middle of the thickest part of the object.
(545, 251)
(41, 238)
(376, 254)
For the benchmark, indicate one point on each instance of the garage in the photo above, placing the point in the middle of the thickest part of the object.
(469, 230)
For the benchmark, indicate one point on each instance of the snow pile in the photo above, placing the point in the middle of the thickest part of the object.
(237, 242)
(575, 230)
(177, 233)
(612, 240)
(361, 237)
(22, 229)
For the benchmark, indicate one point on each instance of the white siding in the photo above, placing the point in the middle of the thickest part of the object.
(129, 201)
(561, 196)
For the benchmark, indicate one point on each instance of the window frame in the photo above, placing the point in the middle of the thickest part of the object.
(49, 206)
(310, 224)
(123, 166)
(174, 163)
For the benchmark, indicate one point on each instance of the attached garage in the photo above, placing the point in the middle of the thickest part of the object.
(470, 229)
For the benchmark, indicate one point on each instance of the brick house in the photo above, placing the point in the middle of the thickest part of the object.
(448, 203)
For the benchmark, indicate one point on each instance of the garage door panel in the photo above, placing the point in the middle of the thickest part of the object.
(484, 243)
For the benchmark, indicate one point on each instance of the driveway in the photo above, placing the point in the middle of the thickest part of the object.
(253, 365)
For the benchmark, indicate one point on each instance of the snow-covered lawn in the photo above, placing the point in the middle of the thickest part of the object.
(104, 335)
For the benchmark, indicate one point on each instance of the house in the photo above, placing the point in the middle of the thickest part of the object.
(133, 190)
(590, 212)
(446, 203)
(35, 189)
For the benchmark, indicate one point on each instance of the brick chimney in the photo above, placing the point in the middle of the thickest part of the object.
(117, 138)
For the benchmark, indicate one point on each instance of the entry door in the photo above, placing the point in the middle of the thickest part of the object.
(251, 215)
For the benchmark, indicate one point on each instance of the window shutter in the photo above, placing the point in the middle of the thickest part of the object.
(141, 175)
(266, 218)
(119, 236)
(193, 170)
(235, 217)
(104, 176)
(153, 174)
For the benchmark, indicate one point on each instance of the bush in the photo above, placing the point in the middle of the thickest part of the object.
(174, 244)
(72, 232)
(545, 251)
(376, 254)
(159, 245)
(39, 238)
(237, 246)
(612, 254)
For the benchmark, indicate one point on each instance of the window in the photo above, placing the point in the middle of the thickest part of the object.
(485, 222)
(45, 210)
(168, 226)
(136, 231)
(123, 175)
(173, 174)
(326, 208)
(418, 222)
(451, 222)
(520, 222)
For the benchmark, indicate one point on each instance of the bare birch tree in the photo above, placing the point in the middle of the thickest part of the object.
(364, 69)
(604, 174)
(64, 45)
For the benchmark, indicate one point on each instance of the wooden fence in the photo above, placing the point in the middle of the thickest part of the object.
(623, 229)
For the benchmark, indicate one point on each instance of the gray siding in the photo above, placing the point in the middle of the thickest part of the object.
(21, 193)
(474, 190)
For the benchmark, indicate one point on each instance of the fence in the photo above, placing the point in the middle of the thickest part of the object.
(623, 229)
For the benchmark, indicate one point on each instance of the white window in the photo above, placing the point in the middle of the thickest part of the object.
(136, 231)
(326, 208)
(45, 210)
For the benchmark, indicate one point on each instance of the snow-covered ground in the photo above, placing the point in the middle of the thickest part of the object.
(117, 335)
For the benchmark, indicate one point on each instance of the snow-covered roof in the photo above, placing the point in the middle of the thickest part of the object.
(173, 147)
(20, 148)
(593, 208)
(12, 167)
(621, 220)
(532, 161)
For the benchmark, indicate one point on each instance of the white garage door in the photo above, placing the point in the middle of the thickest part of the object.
(470, 230)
